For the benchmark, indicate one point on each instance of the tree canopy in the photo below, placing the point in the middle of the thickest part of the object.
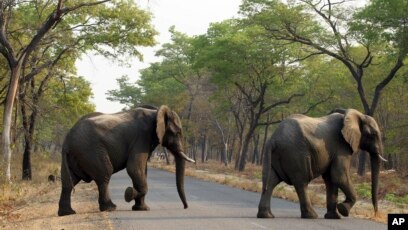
(41, 40)
(281, 57)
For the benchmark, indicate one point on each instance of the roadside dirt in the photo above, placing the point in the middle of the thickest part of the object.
(41, 212)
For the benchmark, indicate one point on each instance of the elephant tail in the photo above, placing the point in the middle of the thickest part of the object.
(66, 178)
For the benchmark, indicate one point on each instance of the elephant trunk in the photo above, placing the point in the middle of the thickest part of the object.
(375, 171)
(180, 168)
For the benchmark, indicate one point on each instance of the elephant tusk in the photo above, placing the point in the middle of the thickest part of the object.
(186, 157)
(382, 158)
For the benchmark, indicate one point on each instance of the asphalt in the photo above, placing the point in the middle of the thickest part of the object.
(211, 206)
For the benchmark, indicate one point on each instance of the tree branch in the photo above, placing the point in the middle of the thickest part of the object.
(384, 83)
(52, 20)
(319, 102)
(287, 101)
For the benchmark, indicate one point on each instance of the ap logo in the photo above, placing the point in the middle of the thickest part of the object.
(397, 221)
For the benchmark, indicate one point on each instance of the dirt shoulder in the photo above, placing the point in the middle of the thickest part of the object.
(40, 210)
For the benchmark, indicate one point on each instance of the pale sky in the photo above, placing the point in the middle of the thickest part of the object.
(188, 16)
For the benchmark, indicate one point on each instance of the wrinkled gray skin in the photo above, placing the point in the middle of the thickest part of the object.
(100, 144)
(303, 148)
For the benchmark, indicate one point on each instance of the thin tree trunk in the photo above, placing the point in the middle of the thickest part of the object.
(224, 152)
(239, 152)
(7, 117)
(231, 150)
(204, 148)
(244, 152)
(265, 139)
(166, 154)
(26, 174)
(255, 157)
(361, 163)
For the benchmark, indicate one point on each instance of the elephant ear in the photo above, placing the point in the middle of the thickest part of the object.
(162, 116)
(351, 128)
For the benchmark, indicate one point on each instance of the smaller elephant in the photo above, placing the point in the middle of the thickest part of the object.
(303, 148)
(99, 145)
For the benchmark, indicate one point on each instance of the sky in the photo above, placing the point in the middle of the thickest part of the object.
(191, 17)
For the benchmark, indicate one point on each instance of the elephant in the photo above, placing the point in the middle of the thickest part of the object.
(303, 148)
(99, 145)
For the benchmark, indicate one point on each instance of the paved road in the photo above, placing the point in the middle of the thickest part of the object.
(211, 206)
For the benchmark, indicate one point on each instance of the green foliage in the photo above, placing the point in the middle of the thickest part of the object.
(49, 84)
(285, 47)
(115, 29)
(127, 94)
(364, 190)
(159, 86)
(384, 20)
(396, 199)
(64, 103)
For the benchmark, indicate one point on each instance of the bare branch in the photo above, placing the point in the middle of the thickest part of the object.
(269, 123)
(306, 57)
(282, 102)
(314, 105)
(384, 83)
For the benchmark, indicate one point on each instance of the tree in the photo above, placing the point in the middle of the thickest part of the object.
(260, 72)
(94, 26)
(127, 94)
(329, 28)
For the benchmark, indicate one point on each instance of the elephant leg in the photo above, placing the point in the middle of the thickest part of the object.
(344, 207)
(65, 198)
(268, 184)
(343, 181)
(104, 200)
(331, 197)
(305, 204)
(137, 170)
(105, 170)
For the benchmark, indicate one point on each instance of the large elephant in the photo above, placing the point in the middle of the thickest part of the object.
(303, 148)
(99, 145)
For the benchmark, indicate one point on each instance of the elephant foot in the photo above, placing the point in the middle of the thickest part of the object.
(265, 213)
(65, 211)
(344, 209)
(140, 208)
(110, 206)
(309, 215)
(130, 194)
(332, 215)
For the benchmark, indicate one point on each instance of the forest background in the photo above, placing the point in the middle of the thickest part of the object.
(231, 86)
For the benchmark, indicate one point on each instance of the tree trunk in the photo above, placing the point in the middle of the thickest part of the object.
(28, 138)
(245, 146)
(231, 150)
(7, 117)
(361, 163)
(194, 152)
(255, 157)
(239, 152)
(265, 139)
(166, 154)
(204, 148)
(224, 154)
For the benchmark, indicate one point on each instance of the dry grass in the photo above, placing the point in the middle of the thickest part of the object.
(251, 180)
(42, 166)
(34, 204)
(18, 193)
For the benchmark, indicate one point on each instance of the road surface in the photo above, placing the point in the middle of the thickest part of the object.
(211, 206)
